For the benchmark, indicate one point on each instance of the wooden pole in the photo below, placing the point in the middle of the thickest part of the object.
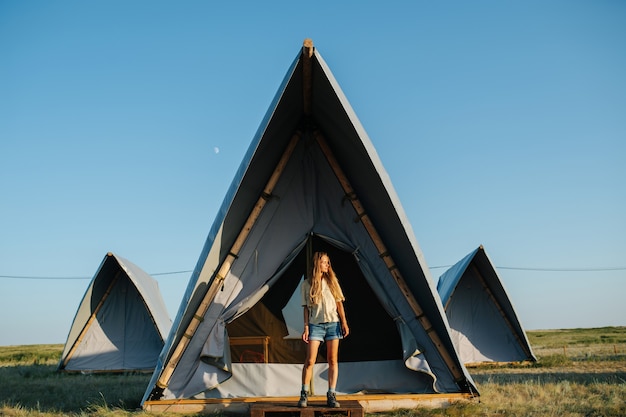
(91, 318)
(216, 284)
(386, 257)
(218, 279)
(307, 79)
(502, 313)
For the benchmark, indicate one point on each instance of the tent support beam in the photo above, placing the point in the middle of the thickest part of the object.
(219, 277)
(386, 257)
(91, 318)
(502, 313)
(307, 83)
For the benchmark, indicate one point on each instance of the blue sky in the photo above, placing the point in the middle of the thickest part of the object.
(500, 123)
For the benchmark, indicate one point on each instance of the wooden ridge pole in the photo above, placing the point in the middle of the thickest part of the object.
(307, 79)
(502, 313)
(91, 318)
(386, 257)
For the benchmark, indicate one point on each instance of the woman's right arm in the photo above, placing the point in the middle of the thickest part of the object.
(305, 333)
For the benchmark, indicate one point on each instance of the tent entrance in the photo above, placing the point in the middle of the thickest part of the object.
(262, 334)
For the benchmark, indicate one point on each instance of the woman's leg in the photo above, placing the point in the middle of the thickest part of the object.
(332, 355)
(311, 355)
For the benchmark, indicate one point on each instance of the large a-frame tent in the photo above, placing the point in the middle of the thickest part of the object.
(311, 180)
(483, 322)
(121, 322)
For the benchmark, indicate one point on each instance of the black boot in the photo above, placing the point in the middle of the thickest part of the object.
(303, 399)
(331, 400)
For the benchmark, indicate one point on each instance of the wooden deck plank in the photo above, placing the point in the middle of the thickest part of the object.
(315, 408)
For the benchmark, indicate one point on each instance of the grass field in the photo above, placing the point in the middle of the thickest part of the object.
(580, 372)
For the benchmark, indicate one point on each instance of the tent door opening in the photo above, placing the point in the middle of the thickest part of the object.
(265, 333)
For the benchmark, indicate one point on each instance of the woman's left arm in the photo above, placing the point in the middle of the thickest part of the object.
(345, 330)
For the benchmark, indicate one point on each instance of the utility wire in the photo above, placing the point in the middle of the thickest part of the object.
(617, 268)
(171, 273)
(519, 268)
(71, 278)
(39, 277)
(515, 268)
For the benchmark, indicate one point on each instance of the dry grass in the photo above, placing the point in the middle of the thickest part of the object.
(580, 373)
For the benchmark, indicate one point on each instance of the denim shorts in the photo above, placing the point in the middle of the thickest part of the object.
(325, 331)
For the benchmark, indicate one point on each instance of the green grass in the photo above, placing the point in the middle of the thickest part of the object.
(41, 388)
(580, 372)
(30, 354)
(578, 337)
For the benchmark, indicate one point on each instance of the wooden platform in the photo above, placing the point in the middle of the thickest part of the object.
(371, 403)
(315, 409)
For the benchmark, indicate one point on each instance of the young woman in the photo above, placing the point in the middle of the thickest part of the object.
(324, 321)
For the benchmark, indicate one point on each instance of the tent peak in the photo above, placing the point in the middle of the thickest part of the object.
(307, 78)
(308, 47)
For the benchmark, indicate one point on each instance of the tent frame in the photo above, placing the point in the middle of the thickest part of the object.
(362, 216)
(369, 401)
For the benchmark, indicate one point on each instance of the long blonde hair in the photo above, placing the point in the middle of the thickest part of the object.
(315, 295)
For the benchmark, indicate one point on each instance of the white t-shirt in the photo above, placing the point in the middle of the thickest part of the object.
(326, 310)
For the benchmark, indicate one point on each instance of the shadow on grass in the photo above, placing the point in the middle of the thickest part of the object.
(41, 388)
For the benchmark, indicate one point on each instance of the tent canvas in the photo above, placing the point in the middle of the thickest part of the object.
(311, 180)
(484, 324)
(121, 322)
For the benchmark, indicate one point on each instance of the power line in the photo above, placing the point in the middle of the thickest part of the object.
(617, 268)
(40, 277)
(78, 278)
(171, 273)
(520, 268)
(515, 268)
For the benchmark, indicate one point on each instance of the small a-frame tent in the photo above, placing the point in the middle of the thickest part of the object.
(311, 180)
(121, 322)
(483, 322)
